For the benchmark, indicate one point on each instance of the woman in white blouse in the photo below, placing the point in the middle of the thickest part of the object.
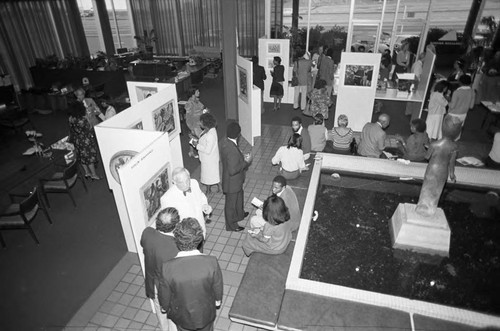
(291, 158)
(208, 149)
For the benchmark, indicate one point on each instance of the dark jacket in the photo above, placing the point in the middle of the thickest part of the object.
(233, 167)
(190, 286)
(259, 76)
(158, 249)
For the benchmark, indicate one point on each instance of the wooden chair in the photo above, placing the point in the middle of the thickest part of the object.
(63, 182)
(18, 216)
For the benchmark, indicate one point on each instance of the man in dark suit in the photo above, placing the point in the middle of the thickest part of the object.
(159, 247)
(191, 286)
(234, 167)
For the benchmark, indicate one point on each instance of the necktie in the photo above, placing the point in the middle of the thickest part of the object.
(186, 192)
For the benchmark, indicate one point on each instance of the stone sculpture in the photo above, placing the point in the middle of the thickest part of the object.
(441, 155)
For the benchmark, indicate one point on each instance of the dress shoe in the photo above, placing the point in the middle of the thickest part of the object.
(239, 228)
(246, 214)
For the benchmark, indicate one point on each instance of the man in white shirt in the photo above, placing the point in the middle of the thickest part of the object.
(186, 196)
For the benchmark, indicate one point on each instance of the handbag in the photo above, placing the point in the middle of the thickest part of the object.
(295, 79)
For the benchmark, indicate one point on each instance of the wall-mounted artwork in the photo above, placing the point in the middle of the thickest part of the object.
(118, 160)
(152, 191)
(358, 75)
(242, 84)
(164, 118)
(274, 48)
(137, 126)
(144, 92)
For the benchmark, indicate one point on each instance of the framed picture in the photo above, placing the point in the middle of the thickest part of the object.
(137, 126)
(152, 191)
(144, 92)
(164, 119)
(274, 48)
(358, 75)
(242, 84)
(118, 160)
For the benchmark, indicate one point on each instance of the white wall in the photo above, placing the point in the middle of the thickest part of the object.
(249, 115)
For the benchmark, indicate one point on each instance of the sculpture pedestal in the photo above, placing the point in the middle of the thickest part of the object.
(411, 231)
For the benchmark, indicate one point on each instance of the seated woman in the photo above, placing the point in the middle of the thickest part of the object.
(415, 147)
(341, 137)
(270, 233)
(318, 133)
(290, 158)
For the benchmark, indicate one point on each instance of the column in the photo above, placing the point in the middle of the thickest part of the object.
(229, 53)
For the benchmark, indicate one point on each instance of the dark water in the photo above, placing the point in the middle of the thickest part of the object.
(350, 245)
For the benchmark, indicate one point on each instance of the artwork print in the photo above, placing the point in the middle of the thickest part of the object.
(242, 84)
(358, 75)
(144, 92)
(274, 48)
(152, 191)
(119, 160)
(163, 118)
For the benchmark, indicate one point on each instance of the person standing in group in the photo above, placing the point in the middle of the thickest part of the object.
(278, 73)
(302, 70)
(319, 100)
(234, 167)
(314, 68)
(259, 76)
(401, 60)
(373, 136)
(327, 71)
(208, 148)
(194, 108)
(92, 112)
(186, 196)
(306, 139)
(191, 286)
(81, 134)
(159, 247)
(109, 111)
(437, 110)
(462, 100)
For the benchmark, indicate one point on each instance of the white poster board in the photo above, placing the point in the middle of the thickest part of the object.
(138, 91)
(356, 90)
(268, 49)
(249, 114)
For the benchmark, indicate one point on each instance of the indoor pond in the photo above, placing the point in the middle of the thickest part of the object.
(350, 245)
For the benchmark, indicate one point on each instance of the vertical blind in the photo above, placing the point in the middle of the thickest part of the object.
(182, 24)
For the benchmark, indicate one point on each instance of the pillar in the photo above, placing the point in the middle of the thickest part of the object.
(103, 27)
(229, 53)
(471, 20)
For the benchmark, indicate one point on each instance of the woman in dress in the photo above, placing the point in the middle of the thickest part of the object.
(291, 158)
(92, 112)
(437, 109)
(319, 99)
(82, 135)
(270, 233)
(278, 74)
(208, 149)
(341, 136)
(194, 108)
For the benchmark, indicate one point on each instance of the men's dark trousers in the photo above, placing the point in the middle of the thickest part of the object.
(233, 210)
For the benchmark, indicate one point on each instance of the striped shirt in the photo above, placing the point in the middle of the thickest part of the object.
(341, 142)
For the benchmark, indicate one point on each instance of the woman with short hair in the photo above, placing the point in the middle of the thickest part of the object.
(208, 148)
(341, 136)
(290, 158)
(194, 109)
(319, 100)
(271, 232)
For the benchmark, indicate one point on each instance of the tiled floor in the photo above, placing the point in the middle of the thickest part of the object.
(123, 304)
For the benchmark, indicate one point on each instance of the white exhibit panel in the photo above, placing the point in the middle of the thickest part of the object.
(425, 78)
(248, 107)
(117, 147)
(138, 91)
(268, 49)
(145, 178)
(357, 87)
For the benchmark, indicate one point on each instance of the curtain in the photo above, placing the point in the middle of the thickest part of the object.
(182, 24)
(37, 29)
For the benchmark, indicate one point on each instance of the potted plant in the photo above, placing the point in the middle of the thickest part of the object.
(145, 42)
